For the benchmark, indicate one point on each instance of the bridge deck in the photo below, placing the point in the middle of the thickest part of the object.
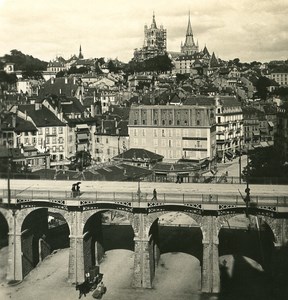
(172, 193)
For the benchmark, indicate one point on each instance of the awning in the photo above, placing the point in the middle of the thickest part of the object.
(270, 124)
(82, 136)
(229, 154)
(82, 126)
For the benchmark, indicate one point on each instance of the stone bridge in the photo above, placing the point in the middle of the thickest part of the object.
(26, 209)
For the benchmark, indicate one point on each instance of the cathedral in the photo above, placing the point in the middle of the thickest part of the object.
(155, 42)
(191, 59)
(189, 46)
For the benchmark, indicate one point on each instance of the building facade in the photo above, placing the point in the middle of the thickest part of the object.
(175, 132)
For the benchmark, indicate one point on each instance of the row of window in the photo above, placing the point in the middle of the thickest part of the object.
(158, 132)
(52, 130)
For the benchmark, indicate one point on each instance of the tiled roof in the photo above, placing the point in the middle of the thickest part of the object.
(50, 88)
(122, 112)
(168, 167)
(200, 100)
(24, 125)
(42, 117)
(139, 154)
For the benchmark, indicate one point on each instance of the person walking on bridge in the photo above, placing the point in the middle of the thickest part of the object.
(154, 195)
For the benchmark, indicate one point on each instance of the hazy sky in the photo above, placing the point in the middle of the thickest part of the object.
(247, 29)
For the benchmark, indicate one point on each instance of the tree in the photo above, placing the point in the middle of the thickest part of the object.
(265, 162)
(82, 159)
(262, 85)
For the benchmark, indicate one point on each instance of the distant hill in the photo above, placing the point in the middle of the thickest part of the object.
(23, 61)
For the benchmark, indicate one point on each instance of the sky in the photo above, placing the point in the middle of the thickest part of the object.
(245, 29)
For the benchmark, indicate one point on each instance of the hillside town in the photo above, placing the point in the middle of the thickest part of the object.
(162, 115)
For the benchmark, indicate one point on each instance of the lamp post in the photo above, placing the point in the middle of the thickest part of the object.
(240, 154)
(8, 178)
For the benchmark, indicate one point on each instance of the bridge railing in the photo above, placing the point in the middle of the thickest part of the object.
(165, 198)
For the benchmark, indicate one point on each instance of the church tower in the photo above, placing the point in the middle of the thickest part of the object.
(154, 42)
(80, 53)
(189, 46)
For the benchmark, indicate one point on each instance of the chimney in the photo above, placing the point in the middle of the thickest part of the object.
(13, 120)
(92, 108)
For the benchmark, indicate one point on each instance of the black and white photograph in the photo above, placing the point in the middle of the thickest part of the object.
(144, 150)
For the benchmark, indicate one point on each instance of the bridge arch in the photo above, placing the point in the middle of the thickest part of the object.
(105, 230)
(5, 227)
(241, 236)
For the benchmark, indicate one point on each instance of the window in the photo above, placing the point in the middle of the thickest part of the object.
(40, 131)
(163, 132)
(135, 122)
(47, 130)
(60, 130)
(107, 141)
(54, 130)
(54, 140)
(155, 132)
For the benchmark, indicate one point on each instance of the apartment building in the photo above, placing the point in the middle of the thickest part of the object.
(175, 132)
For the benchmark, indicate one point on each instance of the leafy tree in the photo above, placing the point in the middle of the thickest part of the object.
(262, 85)
(112, 67)
(81, 70)
(82, 159)
(158, 64)
(265, 162)
(25, 62)
(61, 74)
(181, 77)
(30, 74)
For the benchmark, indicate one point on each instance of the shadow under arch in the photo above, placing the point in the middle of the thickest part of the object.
(59, 229)
(174, 237)
(103, 231)
(4, 229)
(178, 232)
(33, 229)
(250, 237)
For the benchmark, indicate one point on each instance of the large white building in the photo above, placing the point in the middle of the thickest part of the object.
(176, 132)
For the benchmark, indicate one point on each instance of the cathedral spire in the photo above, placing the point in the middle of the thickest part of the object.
(189, 27)
(189, 46)
(153, 25)
(80, 53)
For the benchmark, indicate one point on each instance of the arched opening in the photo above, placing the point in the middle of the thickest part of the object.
(245, 253)
(180, 253)
(33, 230)
(108, 245)
(58, 231)
(4, 229)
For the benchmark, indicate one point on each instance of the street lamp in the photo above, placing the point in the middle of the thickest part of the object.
(240, 154)
(8, 177)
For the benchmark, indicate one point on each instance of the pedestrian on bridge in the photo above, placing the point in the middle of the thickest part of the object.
(154, 195)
